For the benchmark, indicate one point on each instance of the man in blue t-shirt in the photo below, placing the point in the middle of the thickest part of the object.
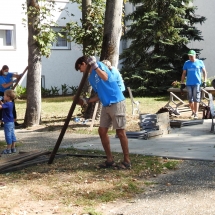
(193, 70)
(113, 107)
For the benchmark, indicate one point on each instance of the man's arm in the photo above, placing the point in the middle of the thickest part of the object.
(93, 99)
(102, 74)
(92, 62)
(204, 74)
(183, 76)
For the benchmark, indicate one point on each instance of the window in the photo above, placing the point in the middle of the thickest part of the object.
(61, 42)
(43, 81)
(7, 37)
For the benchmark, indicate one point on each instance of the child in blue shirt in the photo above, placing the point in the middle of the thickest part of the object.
(8, 119)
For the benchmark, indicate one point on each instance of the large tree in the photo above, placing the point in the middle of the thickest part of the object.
(40, 39)
(159, 35)
(112, 31)
(33, 109)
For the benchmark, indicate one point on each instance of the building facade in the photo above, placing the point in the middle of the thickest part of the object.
(58, 69)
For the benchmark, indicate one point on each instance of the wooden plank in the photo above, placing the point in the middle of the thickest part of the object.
(25, 164)
(87, 155)
(26, 69)
(22, 160)
(17, 157)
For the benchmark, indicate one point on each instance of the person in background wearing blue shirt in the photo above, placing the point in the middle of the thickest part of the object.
(113, 107)
(7, 118)
(193, 69)
(6, 82)
(116, 74)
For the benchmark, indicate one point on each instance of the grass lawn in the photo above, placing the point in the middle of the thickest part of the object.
(55, 110)
(74, 185)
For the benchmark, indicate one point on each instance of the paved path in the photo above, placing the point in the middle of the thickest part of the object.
(194, 142)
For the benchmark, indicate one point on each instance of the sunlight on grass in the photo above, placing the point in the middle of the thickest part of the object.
(55, 110)
(78, 180)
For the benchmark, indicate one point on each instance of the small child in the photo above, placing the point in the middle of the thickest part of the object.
(8, 119)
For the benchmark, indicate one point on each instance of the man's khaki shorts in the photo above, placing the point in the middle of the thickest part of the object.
(113, 115)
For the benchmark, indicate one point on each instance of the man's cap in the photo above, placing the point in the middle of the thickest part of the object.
(192, 53)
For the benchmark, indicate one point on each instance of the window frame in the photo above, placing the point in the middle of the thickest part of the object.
(55, 47)
(11, 27)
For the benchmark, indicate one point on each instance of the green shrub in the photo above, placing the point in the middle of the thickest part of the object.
(20, 91)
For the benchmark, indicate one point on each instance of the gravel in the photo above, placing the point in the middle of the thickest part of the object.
(189, 190)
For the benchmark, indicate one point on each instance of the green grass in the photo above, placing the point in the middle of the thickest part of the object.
(55, 110)
(76, 179)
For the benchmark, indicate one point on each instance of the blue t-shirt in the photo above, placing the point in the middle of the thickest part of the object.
(108, 91)
(117, 76)
(7, 112)
(5, 80)
(194, 70)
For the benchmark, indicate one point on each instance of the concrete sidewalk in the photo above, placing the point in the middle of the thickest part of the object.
(194, 142)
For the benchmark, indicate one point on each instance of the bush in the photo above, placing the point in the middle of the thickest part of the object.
(20, 91)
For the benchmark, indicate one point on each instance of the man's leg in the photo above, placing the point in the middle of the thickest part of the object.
(196, 107)
(105, 143)
(191, 104)
(190, 98)
(196, 99)
(124, 144)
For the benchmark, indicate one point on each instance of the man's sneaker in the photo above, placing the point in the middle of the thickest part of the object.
(195, 116)
(13, 150)
(6, 151)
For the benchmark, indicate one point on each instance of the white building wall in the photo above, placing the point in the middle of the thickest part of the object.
(206, 9)
(12, 13)
(59, 68)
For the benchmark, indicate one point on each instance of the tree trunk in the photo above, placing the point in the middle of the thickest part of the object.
(87, 89)
(33, 109)
(85, 5)
(112, 31)
(111, 40)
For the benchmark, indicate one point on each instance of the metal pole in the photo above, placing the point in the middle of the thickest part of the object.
(65, 126)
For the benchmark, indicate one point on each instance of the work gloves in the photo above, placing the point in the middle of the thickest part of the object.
(92, 62)
(204, 84)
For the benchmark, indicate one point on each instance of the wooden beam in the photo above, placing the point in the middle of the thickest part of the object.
(65, 126)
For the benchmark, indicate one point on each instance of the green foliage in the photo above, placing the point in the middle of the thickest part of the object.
(159, 34)
(90, 32)
(64, 89)
(74, 89)
(20, 91)
(45, 92)
(55, 90)
(44, 33)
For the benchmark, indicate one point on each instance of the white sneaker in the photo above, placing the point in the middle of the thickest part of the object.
(195, 116)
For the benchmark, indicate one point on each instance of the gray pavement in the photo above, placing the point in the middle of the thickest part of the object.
(194, 142)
